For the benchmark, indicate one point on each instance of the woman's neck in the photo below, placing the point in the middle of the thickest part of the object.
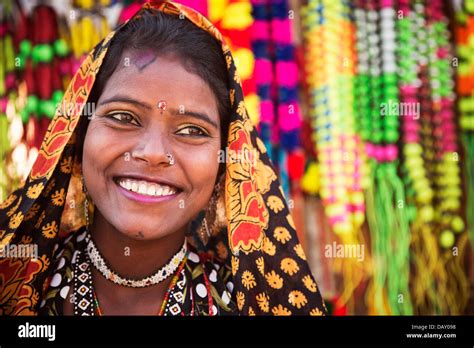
(132, 259)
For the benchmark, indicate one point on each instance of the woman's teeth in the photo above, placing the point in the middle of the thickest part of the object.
(146, 188)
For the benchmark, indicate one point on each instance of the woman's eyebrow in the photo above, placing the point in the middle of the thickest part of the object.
(195, 114)
(124, 99)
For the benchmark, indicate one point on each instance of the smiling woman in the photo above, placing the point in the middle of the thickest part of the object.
(169, 229)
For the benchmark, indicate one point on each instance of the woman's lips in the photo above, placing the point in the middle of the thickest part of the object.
(140, 198)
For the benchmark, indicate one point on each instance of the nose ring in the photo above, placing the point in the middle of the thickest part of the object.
(170, 158)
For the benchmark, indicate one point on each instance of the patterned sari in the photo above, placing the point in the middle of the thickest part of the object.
(254, 266)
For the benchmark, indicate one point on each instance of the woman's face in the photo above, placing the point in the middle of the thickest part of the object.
(129, 137)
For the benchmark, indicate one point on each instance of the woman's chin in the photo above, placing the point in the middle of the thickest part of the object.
(143, 234)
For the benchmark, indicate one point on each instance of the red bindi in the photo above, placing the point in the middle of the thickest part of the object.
(162, 105)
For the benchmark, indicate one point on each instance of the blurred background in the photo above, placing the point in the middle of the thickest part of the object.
(367, 111)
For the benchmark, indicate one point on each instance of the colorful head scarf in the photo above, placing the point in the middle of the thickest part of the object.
(270, 272)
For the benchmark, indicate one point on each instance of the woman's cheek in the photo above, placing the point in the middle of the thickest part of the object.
(104, 144)
(202, 163)
(200, 166)
(101, 149)
(94, 142)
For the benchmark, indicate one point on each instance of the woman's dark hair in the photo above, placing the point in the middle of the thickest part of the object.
(197, 50)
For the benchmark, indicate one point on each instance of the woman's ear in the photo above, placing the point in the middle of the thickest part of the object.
(220, 220)
(80, 135)
(212, 219)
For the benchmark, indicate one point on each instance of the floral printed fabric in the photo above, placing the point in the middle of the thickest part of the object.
(269, 269)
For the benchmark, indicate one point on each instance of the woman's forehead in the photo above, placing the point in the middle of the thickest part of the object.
(149, 77)
(143, 58)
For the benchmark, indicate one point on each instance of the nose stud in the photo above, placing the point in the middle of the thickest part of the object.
(170, 158)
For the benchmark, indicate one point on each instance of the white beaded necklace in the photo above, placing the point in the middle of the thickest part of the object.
(164, 272)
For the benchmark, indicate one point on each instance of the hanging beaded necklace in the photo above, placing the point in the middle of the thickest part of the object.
(412, 55)
(447, 171)
(8, 92)
(88, 24)
(429, 149)
(329, 66)
(165, 303)
(163, 273)
(412, 50)
(450, 230)
(385, 192)
(41, 51)
(465, 90)
(329, 69)
(276, 76)
(85, 299)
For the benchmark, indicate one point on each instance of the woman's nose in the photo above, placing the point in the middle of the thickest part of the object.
(153, 148)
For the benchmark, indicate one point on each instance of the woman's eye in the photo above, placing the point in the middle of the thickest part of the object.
(192, 131)
(123, 117)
